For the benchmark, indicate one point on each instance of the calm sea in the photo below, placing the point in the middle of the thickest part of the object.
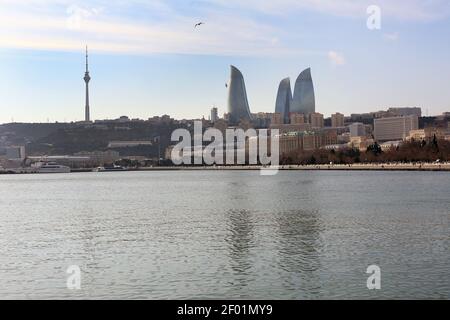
(225, 235)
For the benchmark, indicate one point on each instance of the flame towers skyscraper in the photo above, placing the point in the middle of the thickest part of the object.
(87, 78)
(304, 100)
(284, 100)
(238, 107)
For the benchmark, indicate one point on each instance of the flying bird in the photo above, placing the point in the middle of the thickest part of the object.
(198, 24)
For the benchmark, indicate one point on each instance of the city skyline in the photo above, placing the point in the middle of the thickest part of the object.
(232, 158)
(356, 70)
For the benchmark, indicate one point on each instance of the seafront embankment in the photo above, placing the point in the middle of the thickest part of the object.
(324, 167)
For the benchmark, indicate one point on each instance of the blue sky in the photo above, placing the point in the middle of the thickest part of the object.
(147, 59)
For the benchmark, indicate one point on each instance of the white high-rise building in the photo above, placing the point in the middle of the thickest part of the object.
(214, 114)
(395, 128)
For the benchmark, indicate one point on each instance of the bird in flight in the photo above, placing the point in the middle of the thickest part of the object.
(198, 24)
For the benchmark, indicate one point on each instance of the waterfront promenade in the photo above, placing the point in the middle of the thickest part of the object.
(359, 167)
(322, 167)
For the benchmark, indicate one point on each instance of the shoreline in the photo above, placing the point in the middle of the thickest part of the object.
(353, 167)
(445, 167)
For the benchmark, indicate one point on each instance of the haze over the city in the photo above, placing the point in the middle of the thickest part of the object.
(146, 58)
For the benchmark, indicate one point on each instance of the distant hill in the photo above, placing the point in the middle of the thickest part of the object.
(67, 139)
(22, 133)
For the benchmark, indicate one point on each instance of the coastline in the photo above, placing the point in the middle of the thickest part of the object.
(322, 167)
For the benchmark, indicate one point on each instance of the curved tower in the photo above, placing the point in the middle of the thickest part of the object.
(304, 99)
(284, 99)
(238, 107)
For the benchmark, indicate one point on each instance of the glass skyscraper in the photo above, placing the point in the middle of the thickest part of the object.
(284, 99)
(238, 108)
(303, 100)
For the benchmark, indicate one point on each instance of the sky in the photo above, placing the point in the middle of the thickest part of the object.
(147, 59)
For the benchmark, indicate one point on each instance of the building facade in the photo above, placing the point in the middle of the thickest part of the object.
(405, 111)
(316, 120)
(395, 128)
(357, 129)
(429, 133)
(214, 114)
(337, 120)
(277, 119)
(360, 142)
(297, 118)
(308, 140)
(99, 158)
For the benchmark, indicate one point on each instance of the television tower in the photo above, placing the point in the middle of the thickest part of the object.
(87, 78)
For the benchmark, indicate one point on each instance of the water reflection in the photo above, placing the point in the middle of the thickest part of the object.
(239, 223)
(299, 248)
(299, 240)
(240, 240)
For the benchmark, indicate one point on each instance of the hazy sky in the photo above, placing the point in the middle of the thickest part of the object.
(147, 59)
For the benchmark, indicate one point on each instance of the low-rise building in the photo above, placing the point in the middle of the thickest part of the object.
(128, 144)
(306, 140)
(100, 158)
(390, 145)
(440, 133)
(277, 119)
(360, 143)
(344, 138)
(286, 128)
(416, 135)
(405, 111)
(428, 134)
(297, 118)
(357, 129)
(262, 120)
(336, 147)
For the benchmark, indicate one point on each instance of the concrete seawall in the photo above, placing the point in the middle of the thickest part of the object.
(357, 167)
(323, 167)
